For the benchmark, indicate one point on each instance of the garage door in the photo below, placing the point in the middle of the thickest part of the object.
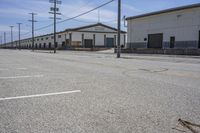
(110, 42)
(155, 40)
(199, 40)
(88, 43)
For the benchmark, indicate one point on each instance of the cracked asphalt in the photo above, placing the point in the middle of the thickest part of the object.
(133, 94)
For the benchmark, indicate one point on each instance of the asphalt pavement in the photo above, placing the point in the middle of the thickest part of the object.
(94, 92)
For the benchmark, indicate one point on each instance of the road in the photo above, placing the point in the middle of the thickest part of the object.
(94, 92)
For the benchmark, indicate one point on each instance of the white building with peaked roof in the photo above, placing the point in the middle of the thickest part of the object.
(95, 35)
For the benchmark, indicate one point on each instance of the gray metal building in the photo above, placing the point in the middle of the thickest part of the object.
(176, 28)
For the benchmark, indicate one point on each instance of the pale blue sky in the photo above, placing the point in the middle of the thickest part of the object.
(14, 11)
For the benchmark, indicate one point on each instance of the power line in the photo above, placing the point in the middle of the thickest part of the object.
(44, 27)
(85, 4)
(78, 20)
(110, 21)
(71, 18)
(87, 11)
(26, 33)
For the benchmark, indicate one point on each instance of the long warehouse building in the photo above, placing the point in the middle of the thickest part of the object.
(95, 35)
(175, 28)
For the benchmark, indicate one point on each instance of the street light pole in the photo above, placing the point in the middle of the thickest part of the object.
(119, 30)
(19, 24)
(11, 27)
(0, 39)
(4, 38)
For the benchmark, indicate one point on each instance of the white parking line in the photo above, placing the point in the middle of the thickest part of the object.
(18, 77)
(39, 95)
(21, 68)
(4, 69)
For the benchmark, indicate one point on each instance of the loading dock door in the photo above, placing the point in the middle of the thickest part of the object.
(109, 42)
(155, 40)
(88, 43)
(49, 45)
(199, 40)
(172, 42)
(63, 44)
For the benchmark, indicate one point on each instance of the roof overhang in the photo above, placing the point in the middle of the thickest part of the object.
(165, 11)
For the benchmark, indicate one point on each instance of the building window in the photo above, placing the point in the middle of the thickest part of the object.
(42, 39)
(47, 38)
(52, 37)
(38, 39)
(59, 36)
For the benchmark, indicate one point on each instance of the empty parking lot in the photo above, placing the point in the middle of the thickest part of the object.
(93, 92)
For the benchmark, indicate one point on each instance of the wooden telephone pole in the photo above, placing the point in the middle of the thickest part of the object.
(54, 11)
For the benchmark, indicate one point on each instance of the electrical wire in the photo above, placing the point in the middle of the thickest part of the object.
(72, 18)
(86, 12)
(77, 20)
(85, 4)
(76, 15)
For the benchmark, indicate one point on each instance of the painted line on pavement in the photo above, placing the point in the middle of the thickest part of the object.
(39, 95)
(18, 77)
(6, 69)
(21, 68)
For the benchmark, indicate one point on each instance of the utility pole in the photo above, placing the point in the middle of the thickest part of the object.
(119, 30)
(19, 26)
(4, 38)
(11, 27)
(33, 21)
(0, 39)
(124, 18)
(55, 12)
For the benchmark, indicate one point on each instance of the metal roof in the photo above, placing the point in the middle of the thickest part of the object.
(165, 11)
(79, 28)
(93, 25)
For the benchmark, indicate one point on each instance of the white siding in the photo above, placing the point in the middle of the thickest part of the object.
(98, 31)
(184, 25)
